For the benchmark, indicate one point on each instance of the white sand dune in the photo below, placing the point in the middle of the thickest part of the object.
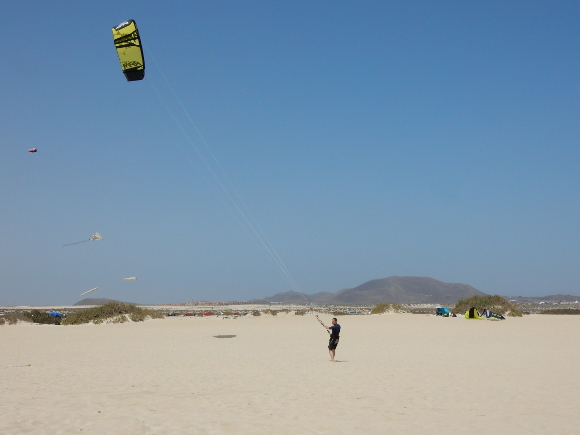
(409, 374)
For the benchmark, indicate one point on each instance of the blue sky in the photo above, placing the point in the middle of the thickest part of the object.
(360, 140)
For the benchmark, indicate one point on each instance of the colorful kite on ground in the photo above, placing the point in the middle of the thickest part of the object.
(130, 51)
(96, 236)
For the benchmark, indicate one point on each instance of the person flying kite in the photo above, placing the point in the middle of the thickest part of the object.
(334, 331)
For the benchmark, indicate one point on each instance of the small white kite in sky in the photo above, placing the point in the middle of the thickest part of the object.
(96, 236)
(93, 289)
(133, 278)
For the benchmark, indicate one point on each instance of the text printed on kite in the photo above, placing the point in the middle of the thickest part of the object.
(129, 49)
(96, 236)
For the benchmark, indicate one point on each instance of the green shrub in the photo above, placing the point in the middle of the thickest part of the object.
(256, 313)
(13, 318)
(381, 308)
(113, 311)
(121, 318)
(41, 317)
(34, 316)
(495, 303)
(397, 308)
(137, 316)
(299, 313)
(514, 312)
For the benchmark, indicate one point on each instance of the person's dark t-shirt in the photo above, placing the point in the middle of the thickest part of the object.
(335, 331)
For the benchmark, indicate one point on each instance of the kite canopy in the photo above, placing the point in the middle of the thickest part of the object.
(32, 150)
(130, 51)
(91, 290)
(472, 313)
(96, 236)
(491, 315)
(133, 278)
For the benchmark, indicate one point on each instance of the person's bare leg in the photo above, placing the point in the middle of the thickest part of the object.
(331, 352)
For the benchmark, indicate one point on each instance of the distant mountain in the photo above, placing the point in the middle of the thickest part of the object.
(100, 301)
(405, 290)
(394, 290)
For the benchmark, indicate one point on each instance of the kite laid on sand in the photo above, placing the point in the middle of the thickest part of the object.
(133, 278)
(96, 236)
(91, 290)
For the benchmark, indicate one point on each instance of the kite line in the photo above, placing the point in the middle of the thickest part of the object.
(130, 51)
(251, 225)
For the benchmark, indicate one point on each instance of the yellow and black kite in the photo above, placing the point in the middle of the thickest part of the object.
(129, 50)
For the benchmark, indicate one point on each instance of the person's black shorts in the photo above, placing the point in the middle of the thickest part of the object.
(332, 344)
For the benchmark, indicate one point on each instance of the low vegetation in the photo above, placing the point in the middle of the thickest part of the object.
(299, 313)
(34, 316)
(381, 308)
(42, 317)
(14, 318)
(495, 303)
(115, 312)
(572, 311)
(256, 313)
(271, 312)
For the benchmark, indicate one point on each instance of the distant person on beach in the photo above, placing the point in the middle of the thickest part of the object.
(334, 333)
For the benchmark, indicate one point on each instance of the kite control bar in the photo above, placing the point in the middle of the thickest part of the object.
(318, 318)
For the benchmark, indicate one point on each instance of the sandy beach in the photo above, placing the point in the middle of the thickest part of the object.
(396, 373)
